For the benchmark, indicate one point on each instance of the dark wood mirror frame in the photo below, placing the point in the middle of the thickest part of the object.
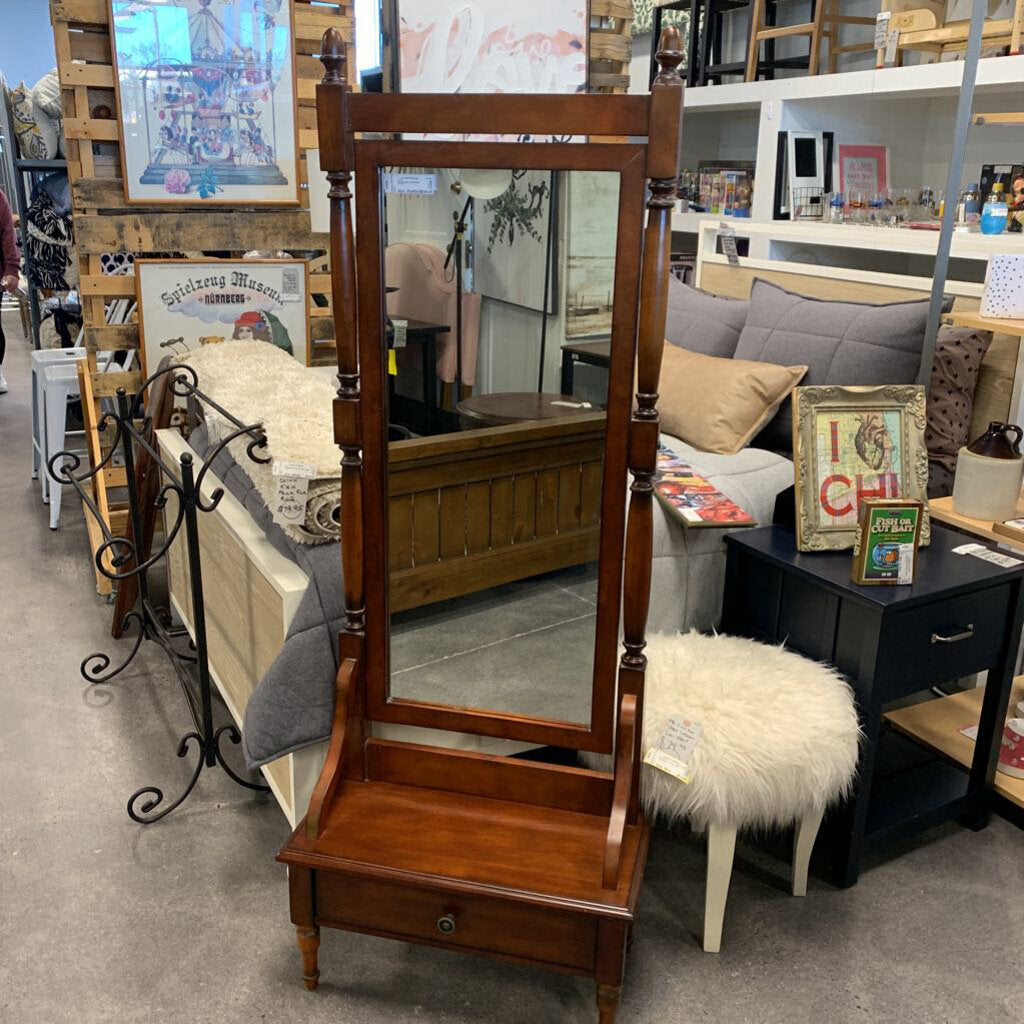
(499, 856)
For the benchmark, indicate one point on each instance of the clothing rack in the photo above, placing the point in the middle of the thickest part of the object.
(35, 169)
(127, 560)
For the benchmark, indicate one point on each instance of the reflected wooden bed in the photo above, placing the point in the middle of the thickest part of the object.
(472, 510)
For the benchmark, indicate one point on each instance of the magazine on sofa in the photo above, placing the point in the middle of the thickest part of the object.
(696, 502)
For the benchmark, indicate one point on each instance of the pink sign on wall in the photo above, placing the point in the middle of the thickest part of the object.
(863, 168)
(491, 46)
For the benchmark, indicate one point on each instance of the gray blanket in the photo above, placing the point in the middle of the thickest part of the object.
(293, 704)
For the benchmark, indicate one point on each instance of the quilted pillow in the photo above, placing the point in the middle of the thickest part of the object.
(845, 343)
(47, 112)
(30, 141)
(703, 322)
(958, 355)
(46, 94)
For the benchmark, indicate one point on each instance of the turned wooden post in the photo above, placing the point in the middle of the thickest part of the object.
(309, 943)
(665, 135)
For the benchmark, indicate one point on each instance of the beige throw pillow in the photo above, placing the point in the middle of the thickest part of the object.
(718, 405)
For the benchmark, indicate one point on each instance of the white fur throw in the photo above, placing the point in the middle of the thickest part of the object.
(260, 383)
(780, 733)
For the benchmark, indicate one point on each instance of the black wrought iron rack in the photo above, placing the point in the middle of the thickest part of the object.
(188, 656)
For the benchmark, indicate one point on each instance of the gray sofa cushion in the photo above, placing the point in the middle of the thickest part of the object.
(702, 322)
(846, 343)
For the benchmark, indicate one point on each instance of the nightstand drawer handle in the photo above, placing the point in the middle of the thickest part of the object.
(446, 924)
(966, 634)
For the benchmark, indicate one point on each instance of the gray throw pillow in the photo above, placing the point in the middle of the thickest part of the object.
(702, 322)
(845, 343)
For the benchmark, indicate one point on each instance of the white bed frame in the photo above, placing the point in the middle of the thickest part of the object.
(251, 593)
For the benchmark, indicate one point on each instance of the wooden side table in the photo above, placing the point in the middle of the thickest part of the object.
(593, 353)
(961, 615)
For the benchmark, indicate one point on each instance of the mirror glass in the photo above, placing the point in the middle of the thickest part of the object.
(496, 456)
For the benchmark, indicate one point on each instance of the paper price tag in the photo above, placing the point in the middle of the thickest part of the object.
(214, 427)
(982, 552)
(401, 332)
(892, 41)
(290, 285)
(906, 570)
(291, 481)
(727, 233)
(674, 750)
(882, 29)
(410, 184)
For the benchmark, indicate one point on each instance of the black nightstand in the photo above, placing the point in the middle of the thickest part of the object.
(961, 615)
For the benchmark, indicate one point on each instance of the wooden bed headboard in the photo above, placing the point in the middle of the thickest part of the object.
(998, 393)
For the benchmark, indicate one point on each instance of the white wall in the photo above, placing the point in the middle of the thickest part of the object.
(26, 40)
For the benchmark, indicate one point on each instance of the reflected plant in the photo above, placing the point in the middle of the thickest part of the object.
(516, 210)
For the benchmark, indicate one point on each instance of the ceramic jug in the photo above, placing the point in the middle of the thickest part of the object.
(988, 474)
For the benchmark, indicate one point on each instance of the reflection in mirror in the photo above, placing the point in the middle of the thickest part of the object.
(497, 419)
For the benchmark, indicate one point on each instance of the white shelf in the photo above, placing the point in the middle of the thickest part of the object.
(942, 79)
(854, 236)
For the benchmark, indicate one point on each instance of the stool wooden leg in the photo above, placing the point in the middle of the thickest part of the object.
(803, 844)
(309, 943)
(721, 846)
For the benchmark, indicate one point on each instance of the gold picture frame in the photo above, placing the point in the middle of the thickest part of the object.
(851, 443)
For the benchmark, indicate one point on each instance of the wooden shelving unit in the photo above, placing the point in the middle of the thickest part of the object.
(937, 723)
(941, 510)
(104, 223)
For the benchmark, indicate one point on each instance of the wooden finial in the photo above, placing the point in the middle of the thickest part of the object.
(332, 56)
(670, 52)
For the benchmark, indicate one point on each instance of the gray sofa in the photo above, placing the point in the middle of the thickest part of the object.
(839, 342)
(688, 573)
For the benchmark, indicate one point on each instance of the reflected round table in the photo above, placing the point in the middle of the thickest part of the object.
(518, 407)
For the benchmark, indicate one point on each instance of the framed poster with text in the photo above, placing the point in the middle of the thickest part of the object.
(206, 100)
(862, 168)
(187, 303)
(852, 443)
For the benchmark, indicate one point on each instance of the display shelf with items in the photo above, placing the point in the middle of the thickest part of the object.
(909, 111)
(939, 724)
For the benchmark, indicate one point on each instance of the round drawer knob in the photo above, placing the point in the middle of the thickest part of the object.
(446, 924)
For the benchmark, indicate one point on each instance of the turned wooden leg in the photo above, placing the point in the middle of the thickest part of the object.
(309, 943)
(608, 997)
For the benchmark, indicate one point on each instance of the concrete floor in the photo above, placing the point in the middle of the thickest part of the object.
(103, 920)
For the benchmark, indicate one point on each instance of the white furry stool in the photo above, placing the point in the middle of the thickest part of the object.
(779, 742)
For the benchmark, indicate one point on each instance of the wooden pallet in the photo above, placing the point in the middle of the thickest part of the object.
(611, 45)
(104, 223)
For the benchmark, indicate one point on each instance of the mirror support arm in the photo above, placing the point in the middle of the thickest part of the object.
(341, 737)
(625, 752)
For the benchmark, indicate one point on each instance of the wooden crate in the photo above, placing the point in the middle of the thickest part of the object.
(611, 45)
(104, 223)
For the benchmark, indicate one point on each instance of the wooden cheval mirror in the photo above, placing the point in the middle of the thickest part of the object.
(475, 852)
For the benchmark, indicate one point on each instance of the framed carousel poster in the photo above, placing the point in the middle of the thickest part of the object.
(184, 304)
(206, 99)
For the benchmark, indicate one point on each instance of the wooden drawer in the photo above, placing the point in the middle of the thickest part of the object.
(551, 937)
(974, 626)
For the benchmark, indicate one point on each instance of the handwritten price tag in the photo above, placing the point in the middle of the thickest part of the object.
(674, 750)
(292, 487)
